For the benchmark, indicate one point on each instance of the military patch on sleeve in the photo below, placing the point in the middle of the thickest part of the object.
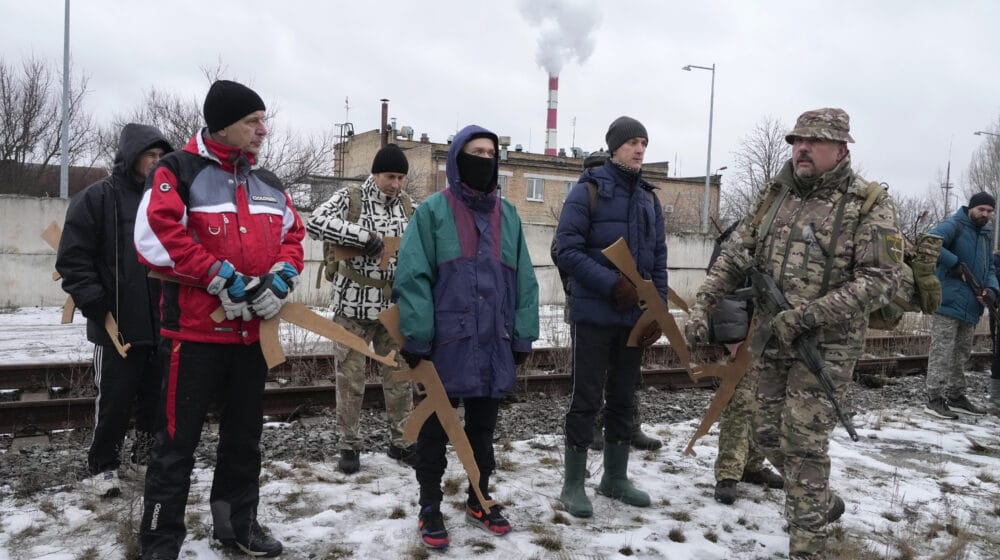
(894, 246)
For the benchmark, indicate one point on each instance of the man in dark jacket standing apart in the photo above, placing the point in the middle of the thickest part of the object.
(966, 238)
(229, 234)
(604, 308)
(464, 262)
(100, 271)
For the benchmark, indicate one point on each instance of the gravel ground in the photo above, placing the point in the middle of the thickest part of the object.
(61, 460)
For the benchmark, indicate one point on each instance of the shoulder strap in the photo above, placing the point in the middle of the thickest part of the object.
(407, 203)
(591, 194)
(353, 204)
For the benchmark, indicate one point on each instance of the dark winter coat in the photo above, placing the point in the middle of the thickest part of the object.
(623, 209)
(966, 243)
(96, 256)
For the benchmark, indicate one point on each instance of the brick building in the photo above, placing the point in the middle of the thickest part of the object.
(535, 183)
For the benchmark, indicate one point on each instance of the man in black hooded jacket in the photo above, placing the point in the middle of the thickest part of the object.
(99, 269)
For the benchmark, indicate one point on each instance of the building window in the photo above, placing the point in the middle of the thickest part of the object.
(668, 208)
(536, 189)
(502, 185)
(569, 187)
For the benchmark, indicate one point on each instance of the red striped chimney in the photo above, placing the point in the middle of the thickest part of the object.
(550, 124)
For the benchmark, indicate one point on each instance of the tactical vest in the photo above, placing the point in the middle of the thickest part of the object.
(907, 297)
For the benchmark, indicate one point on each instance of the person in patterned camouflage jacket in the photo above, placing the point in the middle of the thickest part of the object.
(836, 260)
(361, 290)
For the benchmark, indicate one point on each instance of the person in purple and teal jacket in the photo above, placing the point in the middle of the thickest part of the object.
(468, 301)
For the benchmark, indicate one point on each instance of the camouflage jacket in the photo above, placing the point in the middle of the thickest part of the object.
(823, 252)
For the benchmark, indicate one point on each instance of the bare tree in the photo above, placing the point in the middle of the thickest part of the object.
(758, 159)
(918, 214)
(177, 118)
(293, 157)
(31, 121)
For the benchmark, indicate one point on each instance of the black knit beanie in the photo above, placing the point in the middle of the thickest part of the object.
(228, 102)
(981, 199)
(622, 130)
(390, 159)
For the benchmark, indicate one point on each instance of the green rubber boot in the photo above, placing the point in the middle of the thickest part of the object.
(573, 494)
(615, 483)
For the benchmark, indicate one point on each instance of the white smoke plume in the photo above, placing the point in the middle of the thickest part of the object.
(566, 30)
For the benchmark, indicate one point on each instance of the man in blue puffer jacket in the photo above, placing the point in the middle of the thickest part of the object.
(967, 238)
(604, 308)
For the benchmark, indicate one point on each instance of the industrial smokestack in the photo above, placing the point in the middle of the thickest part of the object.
(550, 124)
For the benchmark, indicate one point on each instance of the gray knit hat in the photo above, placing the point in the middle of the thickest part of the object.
(622, 130)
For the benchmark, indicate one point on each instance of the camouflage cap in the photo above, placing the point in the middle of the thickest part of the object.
(826, 124)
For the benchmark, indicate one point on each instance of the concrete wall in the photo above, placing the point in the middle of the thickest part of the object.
(27, 262)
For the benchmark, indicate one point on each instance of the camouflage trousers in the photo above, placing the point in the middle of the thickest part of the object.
(351, 385)
(737, 450)
(951, 346)
(792, 420)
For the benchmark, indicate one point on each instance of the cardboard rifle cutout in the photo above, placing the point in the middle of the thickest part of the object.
(729, 375)
(653, 306)
(390, 248)
(654, 309)
(52, 234)
(428, 384)
(297, 314)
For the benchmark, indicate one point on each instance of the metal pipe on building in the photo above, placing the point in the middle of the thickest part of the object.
(385, 122)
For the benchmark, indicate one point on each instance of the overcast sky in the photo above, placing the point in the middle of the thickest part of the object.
(917, 77)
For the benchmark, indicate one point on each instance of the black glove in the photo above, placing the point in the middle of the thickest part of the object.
(412, 359)
(267, 295)
(520, 357)
(374, 245)
(95, 310)
(990, 297)
(624, 294)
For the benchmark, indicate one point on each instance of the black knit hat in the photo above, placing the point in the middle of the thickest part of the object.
(228, 102)
(390, 159)
(982, 199)
(622, 130)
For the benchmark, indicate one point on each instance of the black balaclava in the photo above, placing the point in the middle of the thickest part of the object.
(477, 172)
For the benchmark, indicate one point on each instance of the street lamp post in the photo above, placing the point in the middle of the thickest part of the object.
(708, 161)
(996, 215)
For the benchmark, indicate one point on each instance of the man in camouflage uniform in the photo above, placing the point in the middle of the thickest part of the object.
(831, 241)
(361, 290)
(739, 458)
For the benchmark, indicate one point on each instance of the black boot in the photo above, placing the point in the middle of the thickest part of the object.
(725, 491)
(764, 477)
(639, 439)
(349, 462)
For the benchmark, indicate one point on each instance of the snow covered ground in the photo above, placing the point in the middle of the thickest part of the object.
(915, 487)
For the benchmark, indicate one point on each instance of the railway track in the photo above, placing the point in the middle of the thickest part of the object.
(39, 398)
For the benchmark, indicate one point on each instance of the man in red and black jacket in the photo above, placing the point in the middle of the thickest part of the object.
(229, 235)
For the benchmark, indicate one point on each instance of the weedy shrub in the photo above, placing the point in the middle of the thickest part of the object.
(710, 536)
(452, 485)
(680, 515)
(481, 546)
(559, 518)
(677, 535)
(397, 513)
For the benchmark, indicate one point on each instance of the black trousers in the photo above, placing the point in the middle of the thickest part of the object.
(198, 375)
(480, 424)
(605, 371)
(121, 384)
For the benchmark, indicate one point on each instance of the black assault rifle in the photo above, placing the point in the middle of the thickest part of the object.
(977, 289)
(771, 302)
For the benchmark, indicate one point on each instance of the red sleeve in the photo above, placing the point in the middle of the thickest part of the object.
(162, 241)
